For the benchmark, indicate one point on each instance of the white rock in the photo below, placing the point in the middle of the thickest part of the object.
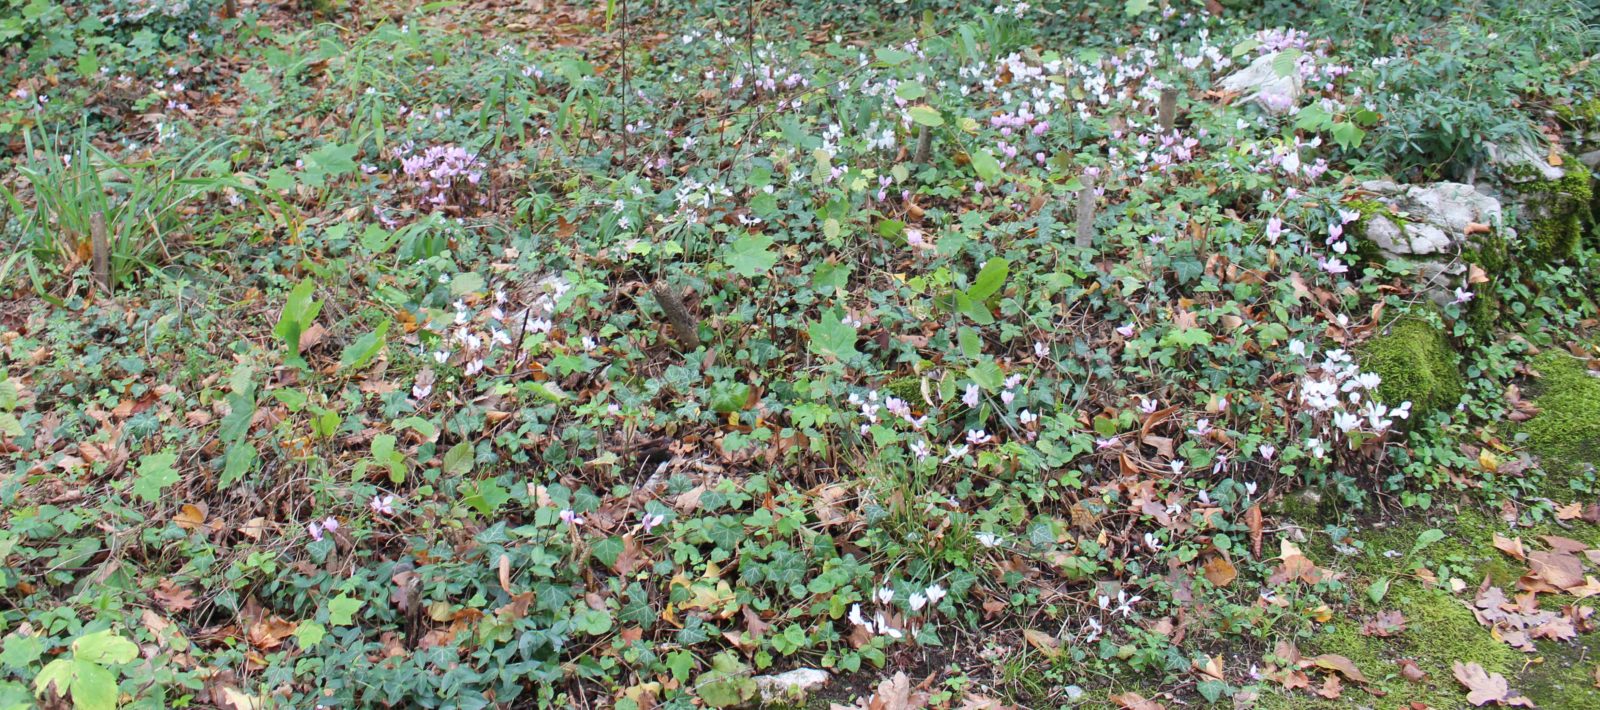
(1531, 156)
(1436, 216)
(1261, 83)
(790, 686)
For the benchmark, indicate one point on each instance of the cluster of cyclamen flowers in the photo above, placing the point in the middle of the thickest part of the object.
(881, 623)
(1343, 400)
(446, 176)
(872, 405)
(472, 338)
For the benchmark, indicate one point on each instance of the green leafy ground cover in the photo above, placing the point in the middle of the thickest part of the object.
(551, 355)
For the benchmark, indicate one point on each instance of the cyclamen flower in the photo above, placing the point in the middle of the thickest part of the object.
(1274, 230)
(651, 520)
(571, 517)
(1462, 296)
(859, 620)
(1125, 331)
(382, 505)
(970, 397)
(934, 593)
(884, 595)
(328, 524)
(918, 600)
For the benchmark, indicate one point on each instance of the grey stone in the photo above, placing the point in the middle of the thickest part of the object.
(791, 686)
(1261, 83)
(1532, 157)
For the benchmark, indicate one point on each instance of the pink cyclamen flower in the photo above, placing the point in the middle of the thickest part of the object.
(316, 528)
(382, 504)
(571, 517)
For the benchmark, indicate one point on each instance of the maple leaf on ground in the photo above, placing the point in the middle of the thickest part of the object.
(1411, 671)
(173, 597)
(1559, 569)
(1485, 687)
(1385, 624)
(1134, 701)
(894, 693)
(1510, 546)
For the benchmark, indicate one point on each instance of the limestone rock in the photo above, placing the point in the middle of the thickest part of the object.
(1524, 161)
(1261, 83)
(1427, 220)
(791, 686)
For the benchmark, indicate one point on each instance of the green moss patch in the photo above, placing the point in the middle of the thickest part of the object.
(1417, 365)
(1566, 431)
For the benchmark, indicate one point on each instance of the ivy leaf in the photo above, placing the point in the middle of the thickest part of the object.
(910, 90)
(360, 353)
(890, 57)
(309, 634)
(342, 609)
(458, 460)
(988, 168)
(749, 255)
(831, 337)
(926, 116)
(298, 313)
(989, 279)
(155, 473)
(93, 687)
(104, 647)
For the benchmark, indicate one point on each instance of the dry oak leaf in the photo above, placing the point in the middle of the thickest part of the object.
(1485, 687)
(173, 597)
(1385, 624)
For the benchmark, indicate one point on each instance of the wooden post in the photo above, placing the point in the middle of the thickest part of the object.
(1168, 110)
(100, 242)
(684, 325)
(1085, 215)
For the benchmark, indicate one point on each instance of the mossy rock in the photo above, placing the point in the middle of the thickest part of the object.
(1417, 365)
(1558, 212)
(1566, 432)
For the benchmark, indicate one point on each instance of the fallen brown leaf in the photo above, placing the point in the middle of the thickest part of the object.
(1484, 687)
